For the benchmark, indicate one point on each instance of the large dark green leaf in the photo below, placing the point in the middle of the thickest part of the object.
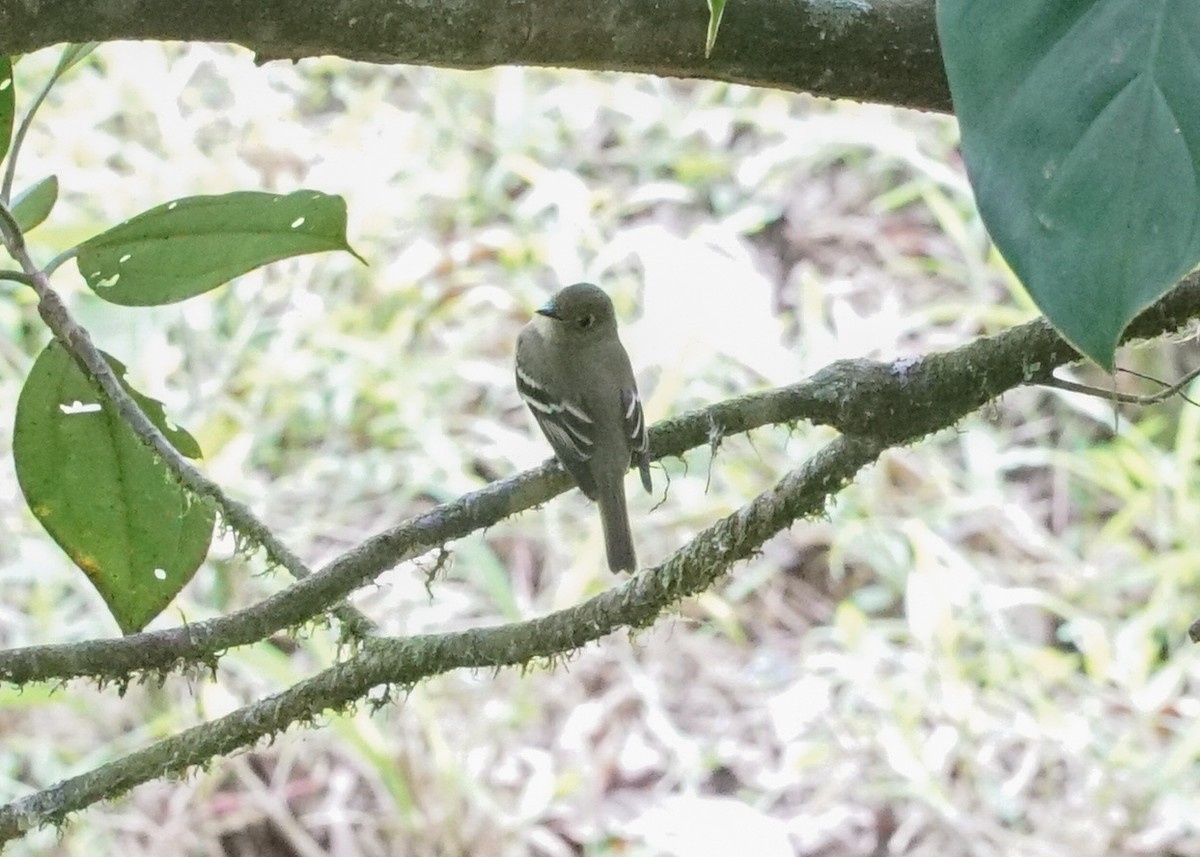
(33, 205)
(8, 105)
(1081, 133)
(107, 500)
(186, 247)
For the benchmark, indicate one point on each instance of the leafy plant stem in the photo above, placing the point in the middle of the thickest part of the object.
(78, 343)
(65, 256)
(10, 169)
(71, 54)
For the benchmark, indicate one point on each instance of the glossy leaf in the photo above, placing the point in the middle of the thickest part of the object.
(34, 204)
(107, 500)
(1080, 127)
(187, 247)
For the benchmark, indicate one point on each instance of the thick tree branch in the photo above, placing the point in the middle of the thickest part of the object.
(893, 403)
(879, 50)
(403, 662)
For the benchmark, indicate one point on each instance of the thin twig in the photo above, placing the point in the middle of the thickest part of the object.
(16, 277)
(1126, 398)
(1168, 391)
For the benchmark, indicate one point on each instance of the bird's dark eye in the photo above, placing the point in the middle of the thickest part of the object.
(587, 321)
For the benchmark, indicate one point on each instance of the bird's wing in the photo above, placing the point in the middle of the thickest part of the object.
(635, 430)
(566, 425)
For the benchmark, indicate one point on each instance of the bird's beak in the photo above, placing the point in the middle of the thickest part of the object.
(549, 309)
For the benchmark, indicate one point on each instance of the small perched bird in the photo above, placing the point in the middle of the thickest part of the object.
(574, 375)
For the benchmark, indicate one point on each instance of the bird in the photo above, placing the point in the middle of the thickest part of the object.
(574, 374)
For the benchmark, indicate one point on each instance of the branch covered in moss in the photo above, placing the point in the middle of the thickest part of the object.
(402, 662)
(883, 51)
(897, 403)
(894, 403)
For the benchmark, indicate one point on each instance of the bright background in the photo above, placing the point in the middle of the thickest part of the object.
(981, 649)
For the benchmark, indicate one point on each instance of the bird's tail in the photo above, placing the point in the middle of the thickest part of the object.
(618, 539)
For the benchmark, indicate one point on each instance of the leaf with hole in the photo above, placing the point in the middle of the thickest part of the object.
(108, 501)
(33, 205)
(1080, 130)
(187, 247)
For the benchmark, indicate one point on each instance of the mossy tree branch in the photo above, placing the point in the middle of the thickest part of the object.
(891, 403)
(402, 662)
(876, 405)
(881, 51)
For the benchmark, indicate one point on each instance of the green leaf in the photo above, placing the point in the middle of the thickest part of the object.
(716, 8)
(8, 105)
(107, 500)
(184, 248)
(33, 205)
(72, 54)
(1080, 130)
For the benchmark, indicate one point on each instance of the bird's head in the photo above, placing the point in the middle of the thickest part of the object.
(581, 310)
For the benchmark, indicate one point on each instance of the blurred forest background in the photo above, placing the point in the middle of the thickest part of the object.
(980, 650)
